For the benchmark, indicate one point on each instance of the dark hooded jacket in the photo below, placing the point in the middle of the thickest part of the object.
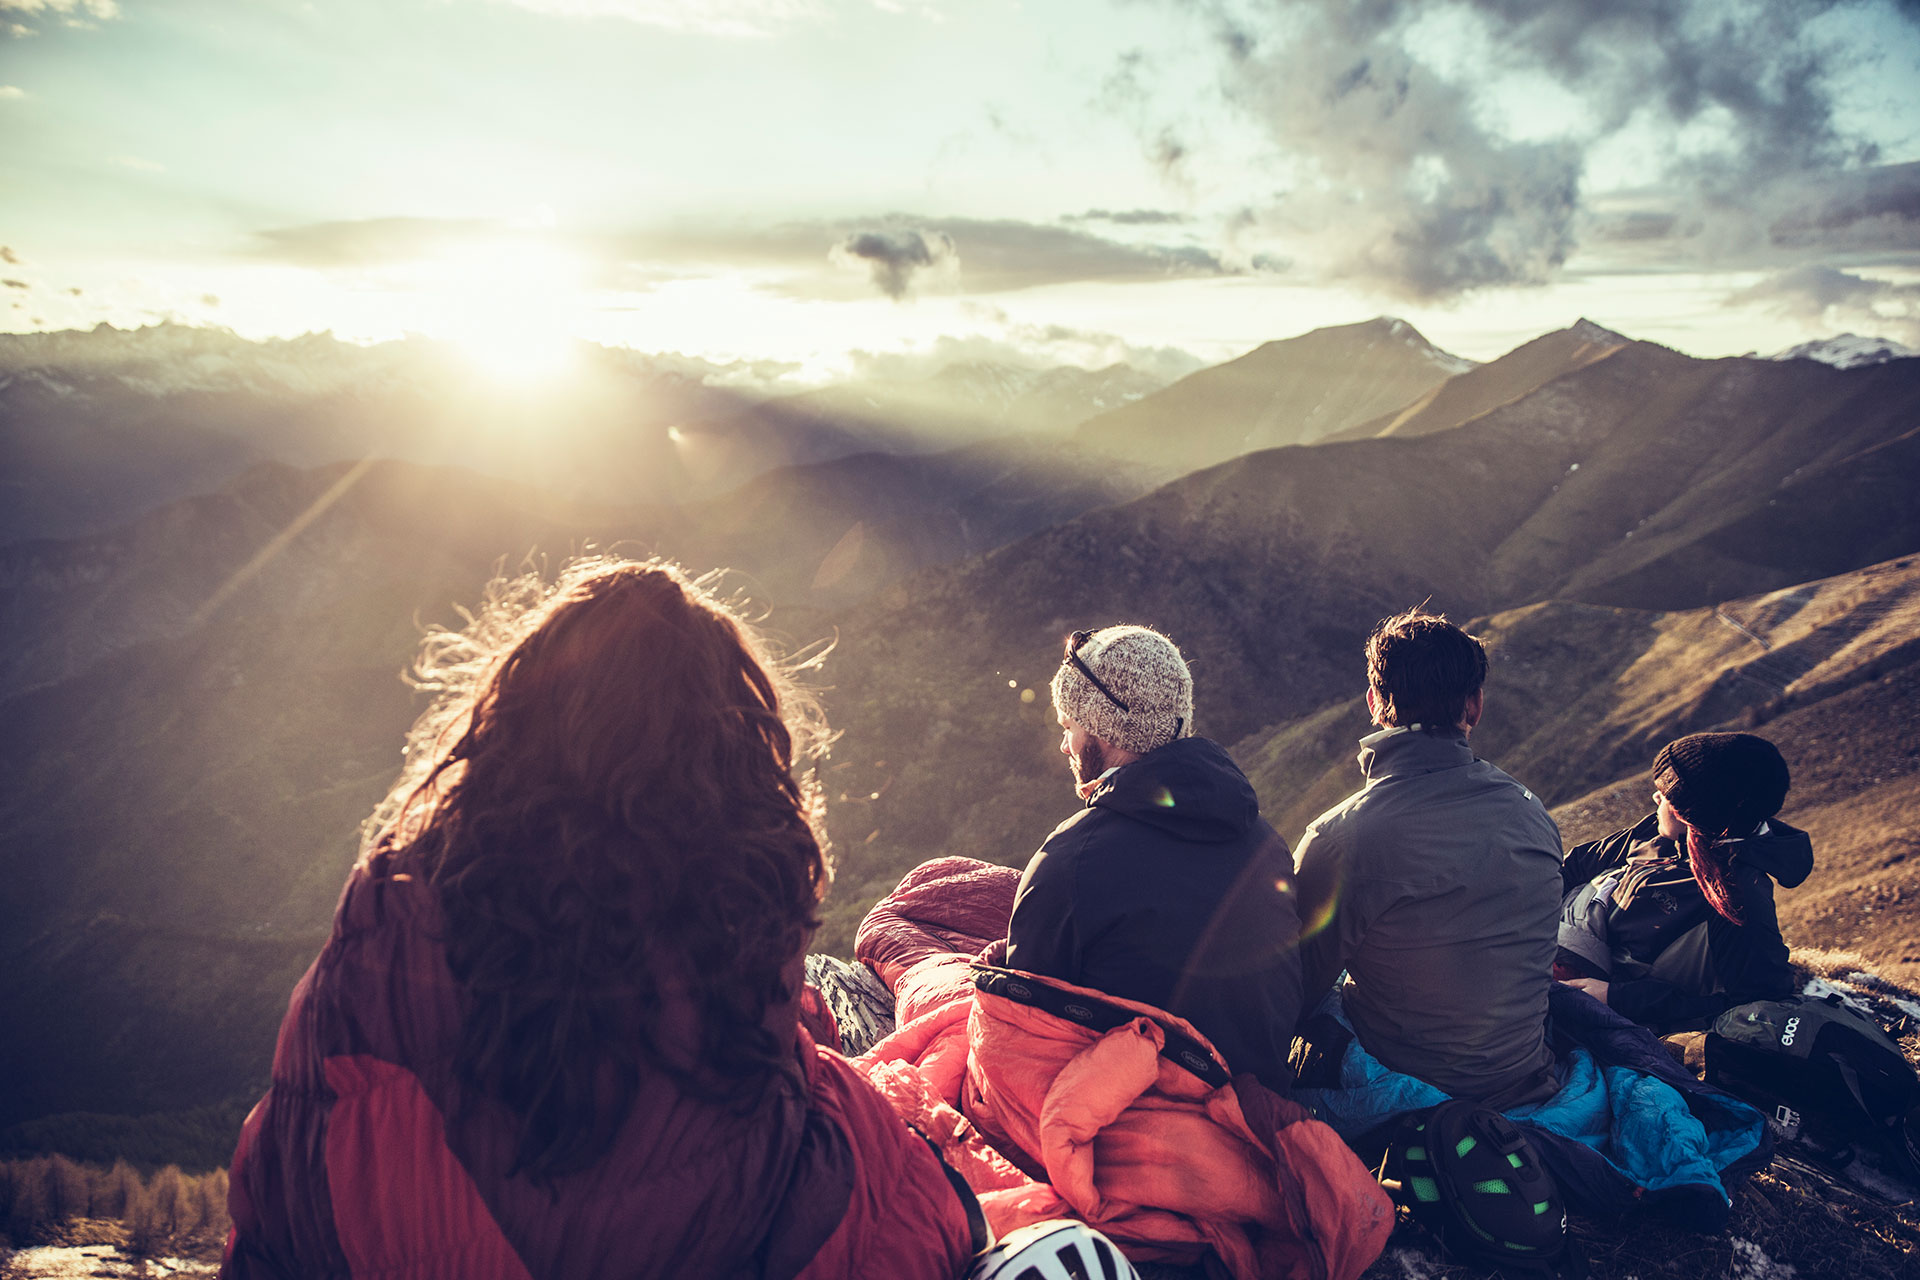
(1677, 963)
(1171, 890)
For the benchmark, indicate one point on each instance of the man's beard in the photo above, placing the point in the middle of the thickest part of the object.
(1090, 763)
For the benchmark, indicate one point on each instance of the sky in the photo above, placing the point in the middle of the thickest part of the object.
(1054, 180)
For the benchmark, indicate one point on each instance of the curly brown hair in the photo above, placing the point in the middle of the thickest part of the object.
(605, 797)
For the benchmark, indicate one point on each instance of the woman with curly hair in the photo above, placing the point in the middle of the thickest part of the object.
(1672, 921)
(554, 1031)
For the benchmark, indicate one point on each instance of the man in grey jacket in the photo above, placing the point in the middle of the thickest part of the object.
(1436, 886)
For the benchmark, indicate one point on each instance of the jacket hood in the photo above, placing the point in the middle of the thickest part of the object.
(1191, 789)
(1784, 852)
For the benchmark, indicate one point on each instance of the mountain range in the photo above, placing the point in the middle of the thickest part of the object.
(1294, 391)
(1645, 480)
(104, 425)
(204, 702)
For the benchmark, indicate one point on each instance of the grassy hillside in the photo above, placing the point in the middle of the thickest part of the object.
(1269, 570)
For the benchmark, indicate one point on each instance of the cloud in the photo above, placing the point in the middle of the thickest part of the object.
(11, 93)
(1825, 297)
(72, 13)
(896, 257)
(1429, 149)
(971, 255)
(895, 253)
(1866, 215)
(1863, 211)
(369, 242)
(8, 256)
(1169, 156)
(736, 18)
(999, 255)
(16, 284)
(1130, 217)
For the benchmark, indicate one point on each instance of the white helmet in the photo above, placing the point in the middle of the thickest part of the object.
(1059, 1250)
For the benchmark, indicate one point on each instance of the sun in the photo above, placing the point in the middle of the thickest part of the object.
(510, 303)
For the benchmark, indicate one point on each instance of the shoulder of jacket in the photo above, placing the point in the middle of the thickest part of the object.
(1071, 838)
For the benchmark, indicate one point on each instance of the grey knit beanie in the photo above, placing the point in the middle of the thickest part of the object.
(1141, 668)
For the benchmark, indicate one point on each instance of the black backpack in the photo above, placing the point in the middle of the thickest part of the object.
(1822, 1066)
(1474, 1181)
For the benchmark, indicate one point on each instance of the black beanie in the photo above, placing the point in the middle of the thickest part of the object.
(1722, 783)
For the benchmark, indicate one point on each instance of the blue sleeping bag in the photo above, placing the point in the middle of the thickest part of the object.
(1629, 1127)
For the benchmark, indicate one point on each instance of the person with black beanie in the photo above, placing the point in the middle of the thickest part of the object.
(1672, 920)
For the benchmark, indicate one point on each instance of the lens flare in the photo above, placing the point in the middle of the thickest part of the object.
(1318, 919)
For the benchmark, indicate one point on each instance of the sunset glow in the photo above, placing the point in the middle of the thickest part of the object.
(513, 307)
(802, 182)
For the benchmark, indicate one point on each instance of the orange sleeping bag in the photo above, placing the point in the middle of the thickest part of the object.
(1047, 1117)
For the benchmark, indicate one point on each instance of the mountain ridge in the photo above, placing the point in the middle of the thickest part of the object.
(1291, 391)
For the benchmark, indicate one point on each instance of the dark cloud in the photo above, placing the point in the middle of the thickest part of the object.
(1816, 287)
(1402, 173)
(8, 256)
(16, 284)
(209, 299)
(1866, 215)
(1862, 211)
(74, 291)
(896, 257)
(1633, 225)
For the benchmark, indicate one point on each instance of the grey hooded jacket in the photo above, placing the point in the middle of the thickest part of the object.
(1437, 887)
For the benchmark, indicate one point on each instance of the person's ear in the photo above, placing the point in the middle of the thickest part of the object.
(1476, 704)
(1374, 702)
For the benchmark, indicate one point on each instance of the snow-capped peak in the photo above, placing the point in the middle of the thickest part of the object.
(1399, 329)
(1848, 351)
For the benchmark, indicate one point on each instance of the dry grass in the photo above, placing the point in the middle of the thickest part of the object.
(55, 1201)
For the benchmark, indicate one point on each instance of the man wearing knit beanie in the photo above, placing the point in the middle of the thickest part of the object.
(1128, 691)
(1167, 888)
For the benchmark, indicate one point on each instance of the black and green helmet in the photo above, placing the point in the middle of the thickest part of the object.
(1472, 1179)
